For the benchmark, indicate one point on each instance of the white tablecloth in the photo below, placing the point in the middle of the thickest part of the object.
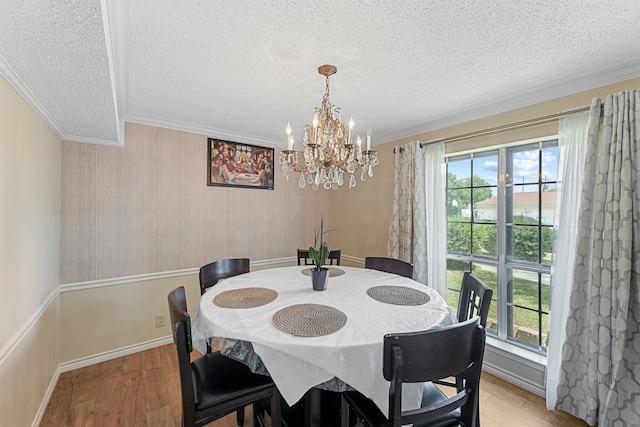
(353, 354)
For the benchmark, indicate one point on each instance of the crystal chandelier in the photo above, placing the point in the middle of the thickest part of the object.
(329, 151)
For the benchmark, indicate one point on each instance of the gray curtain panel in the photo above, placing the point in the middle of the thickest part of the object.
(407, 229)
(599, 377)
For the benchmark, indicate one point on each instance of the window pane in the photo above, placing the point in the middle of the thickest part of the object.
(548, 200)
(458, 202)
(521, 317)
(459, 238)
(455, 271)
(485, 204)
(547, 245)
(485, 240)
(545, 292)
(489, 275)
(525, 201)
(526, 166)
(549, 164)
(524, 243)
(485, 170)
(525, 290)
(530, 335)
(529, 307)
(459, 172)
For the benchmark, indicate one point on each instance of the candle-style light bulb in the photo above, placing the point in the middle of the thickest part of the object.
(315, 128)
(351, 125)
(369, 139)
(288, 129)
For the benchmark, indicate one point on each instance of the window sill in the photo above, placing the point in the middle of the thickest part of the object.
(510, 350)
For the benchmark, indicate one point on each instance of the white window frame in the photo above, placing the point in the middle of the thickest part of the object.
(539, 353)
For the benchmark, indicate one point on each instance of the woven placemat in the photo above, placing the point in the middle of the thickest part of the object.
(398, 295)
(332, 272)
(309, 320)
(245, 298)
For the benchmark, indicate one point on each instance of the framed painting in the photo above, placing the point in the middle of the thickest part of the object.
(232, 164)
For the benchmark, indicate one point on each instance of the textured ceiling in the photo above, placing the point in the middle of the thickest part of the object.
(242, 70)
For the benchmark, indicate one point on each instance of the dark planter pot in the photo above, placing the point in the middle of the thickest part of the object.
(319, 279)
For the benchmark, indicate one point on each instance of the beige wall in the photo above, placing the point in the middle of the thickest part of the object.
(146, 208)
(366, 212)
(363, 214)
(29, 257)
(103, 319)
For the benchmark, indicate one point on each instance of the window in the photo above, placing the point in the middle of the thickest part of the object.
(500, 209)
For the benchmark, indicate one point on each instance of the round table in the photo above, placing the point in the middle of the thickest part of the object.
(352, 354)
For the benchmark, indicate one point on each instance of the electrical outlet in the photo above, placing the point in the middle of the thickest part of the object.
(161, 320)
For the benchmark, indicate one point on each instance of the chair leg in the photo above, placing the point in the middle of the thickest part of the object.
(258, 417)
(344, 412)
(312, 410)
(240, 416)
(276, 405)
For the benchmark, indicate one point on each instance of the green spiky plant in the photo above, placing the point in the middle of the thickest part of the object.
(319, 254)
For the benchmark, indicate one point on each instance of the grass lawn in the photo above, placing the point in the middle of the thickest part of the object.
(525, 294)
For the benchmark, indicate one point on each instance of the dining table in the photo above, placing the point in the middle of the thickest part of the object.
(306, 340)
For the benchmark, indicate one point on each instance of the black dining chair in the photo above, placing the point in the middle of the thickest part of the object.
(211, 273)
(410, 358)
(214, 385)
(475, 299)
(389, 265)
(303, 256)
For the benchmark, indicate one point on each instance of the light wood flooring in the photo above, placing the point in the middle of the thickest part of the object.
(143, 389)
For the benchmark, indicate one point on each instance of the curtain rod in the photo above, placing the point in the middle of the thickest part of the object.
(515, 125)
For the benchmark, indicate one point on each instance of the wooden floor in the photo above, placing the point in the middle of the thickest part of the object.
(143, 389)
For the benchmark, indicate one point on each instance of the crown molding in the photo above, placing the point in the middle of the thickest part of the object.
(203, 130)
(95, 141)
(114, 21)
(541, 93)
(23, 90)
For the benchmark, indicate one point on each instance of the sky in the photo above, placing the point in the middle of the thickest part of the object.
(525, 166)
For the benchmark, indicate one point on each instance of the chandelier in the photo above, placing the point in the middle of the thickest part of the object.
(329, 151)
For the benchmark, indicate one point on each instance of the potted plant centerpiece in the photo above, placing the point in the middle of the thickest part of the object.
(319, 253)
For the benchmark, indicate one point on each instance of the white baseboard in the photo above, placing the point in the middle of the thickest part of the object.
(92, 360)
(510, 377)
(114, 354)
(47, 397)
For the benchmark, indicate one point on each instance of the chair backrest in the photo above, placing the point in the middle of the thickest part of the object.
(432, 355)
(389, 265)
(303, 255)
(475, 299)
(221, 269)
(181, 328)
(177, 300)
